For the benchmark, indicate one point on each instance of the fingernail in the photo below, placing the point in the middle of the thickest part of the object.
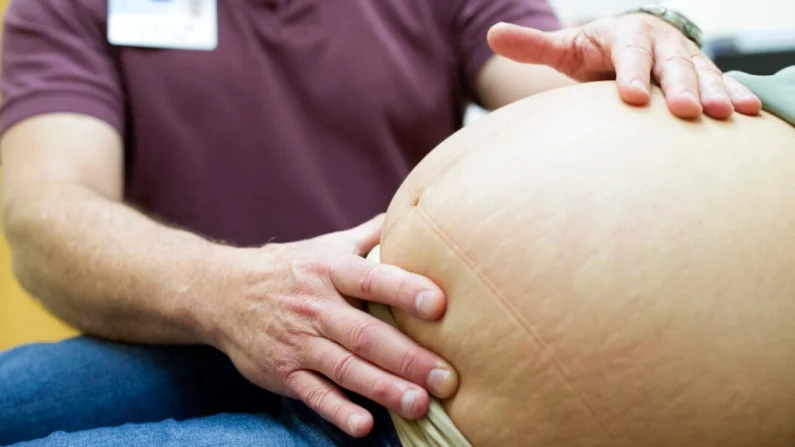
(637, 84)
(440, 382)
(407, 402)
(425, 303)
(690, 95)
(354, 421)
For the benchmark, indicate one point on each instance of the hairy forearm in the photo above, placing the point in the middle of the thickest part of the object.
(107, 269)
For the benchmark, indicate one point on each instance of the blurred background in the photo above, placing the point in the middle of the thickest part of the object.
(757, 37)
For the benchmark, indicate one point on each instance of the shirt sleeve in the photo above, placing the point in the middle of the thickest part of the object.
(474, 18)
(55, 59)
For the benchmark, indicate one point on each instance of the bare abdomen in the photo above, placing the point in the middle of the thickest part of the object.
(616, 276)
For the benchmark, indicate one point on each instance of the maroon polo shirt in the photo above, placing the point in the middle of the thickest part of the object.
(304, 120)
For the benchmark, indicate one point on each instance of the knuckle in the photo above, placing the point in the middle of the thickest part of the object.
(292, 382)
(343, 370)
(283, 364)
(647, 24)
(401, 292)
(293, 339)
(711, 72)
(306, 306)
(670, 34)
(339, 270)
(576, 50)
(639, 50)
(381, 390)
(302, 267)
(368, 280)
(337, 413)
(638, 26)
(408, 363)
(317, 396)
(363, 338)
(582, 44)
(680, 60)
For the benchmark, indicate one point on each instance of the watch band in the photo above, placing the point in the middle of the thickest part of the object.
(674, 18)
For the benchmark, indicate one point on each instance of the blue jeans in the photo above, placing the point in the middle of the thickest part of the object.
(85, 391)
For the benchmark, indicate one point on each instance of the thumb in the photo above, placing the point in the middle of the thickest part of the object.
(530, 46)
(360, 239)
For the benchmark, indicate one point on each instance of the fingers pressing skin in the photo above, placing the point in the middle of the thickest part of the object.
(330, 403)
(676, 73)
(712, 88)
(390, 285)
(357, 375)
(292, 332)
(633, 59)
(388, 348)
(742, 98)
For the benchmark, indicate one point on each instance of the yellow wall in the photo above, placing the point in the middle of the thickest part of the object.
(22, 320)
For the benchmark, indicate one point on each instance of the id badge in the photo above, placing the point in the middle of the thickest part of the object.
(173, 24)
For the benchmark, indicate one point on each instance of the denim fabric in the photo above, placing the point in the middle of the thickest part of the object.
(85, 391)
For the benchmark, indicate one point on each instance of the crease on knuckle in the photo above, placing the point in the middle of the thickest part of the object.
(343, 370)
(408, 363)
(711, 72)
(368, 280)
(581, 44)
(306, 306)
(663, 72)
(279, 362)
(284, 365)
(316, 398)
(292, 382)
(680, 59)
(636, 48)
(363, 338)
(382, 391)
(304, 274)
(401, 290)
(338, 271)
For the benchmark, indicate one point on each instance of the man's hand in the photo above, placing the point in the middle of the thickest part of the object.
(286, 314)
(291, 323)
(630, 49)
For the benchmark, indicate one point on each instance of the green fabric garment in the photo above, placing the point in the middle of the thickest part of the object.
(435, 429)
(777, 91)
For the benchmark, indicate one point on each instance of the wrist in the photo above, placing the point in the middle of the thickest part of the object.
(222, 275)
(202, 293)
